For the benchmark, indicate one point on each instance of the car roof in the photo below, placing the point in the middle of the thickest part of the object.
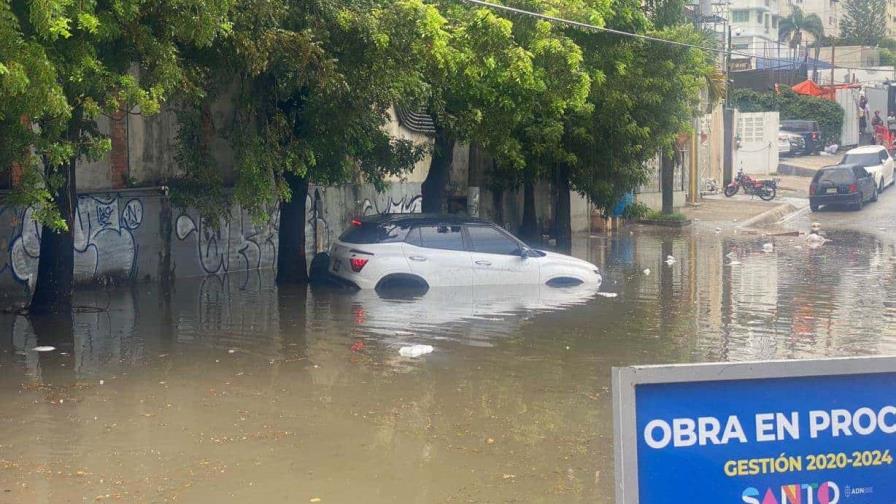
(847, 166)
(422, 218)
(866, 149)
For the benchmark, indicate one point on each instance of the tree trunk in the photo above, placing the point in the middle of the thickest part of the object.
(498, 203)
(291, 262)
(56, 266)
(434, 188)
(667, 179)
(529, 226)
(563, 219)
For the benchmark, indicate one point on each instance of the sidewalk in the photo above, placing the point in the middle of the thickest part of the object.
(806, 166)
(717, 211)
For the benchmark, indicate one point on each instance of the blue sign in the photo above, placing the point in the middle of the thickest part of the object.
(754, 439)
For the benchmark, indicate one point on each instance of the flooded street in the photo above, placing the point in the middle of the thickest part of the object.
(228, 389)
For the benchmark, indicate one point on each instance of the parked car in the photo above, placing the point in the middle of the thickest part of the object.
(808, 130)
(876, 160)
(446, 250)
(842, 184)
(790, 144)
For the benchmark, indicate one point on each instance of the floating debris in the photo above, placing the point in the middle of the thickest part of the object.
(646, 271)
(733, 263)
(45, 348)
(670, 260)
(607, 294)
(768, 248)
(415, 350)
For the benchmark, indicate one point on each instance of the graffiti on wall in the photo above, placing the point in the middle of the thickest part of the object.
(236, 243)
(104, 239)
(407, 204)
(103, 235)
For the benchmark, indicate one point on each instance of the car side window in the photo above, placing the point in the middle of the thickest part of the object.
(884, 156)
(860, 172)
(488, 240)
(441, 236)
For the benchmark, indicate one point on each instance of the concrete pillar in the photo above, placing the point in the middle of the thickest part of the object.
(118, 158)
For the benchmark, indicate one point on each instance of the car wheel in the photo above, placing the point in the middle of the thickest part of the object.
(859, 204)
(813, 207)
(880, 187)
(874, 196)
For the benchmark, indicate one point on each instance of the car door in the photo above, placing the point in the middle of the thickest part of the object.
(438, 254)
(497, 258)
(886, 163)
(866, 183)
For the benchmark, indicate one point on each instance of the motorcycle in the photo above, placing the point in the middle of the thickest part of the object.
(765, 189)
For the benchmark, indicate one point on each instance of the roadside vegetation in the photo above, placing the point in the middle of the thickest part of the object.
(311, 84)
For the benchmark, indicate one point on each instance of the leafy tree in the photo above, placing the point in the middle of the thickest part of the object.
(864, 22)
(509, 86)
(65, 64)
(314, 81)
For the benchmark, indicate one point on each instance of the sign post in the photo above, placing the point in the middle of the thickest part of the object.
(775, 432)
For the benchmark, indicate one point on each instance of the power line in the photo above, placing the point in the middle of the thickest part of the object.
(642, 36)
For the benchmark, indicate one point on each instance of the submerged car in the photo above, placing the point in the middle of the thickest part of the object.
(842, 184)
(876, 160)
(446, 250)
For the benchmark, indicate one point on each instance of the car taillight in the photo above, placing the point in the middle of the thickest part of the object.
(356, 222)
(852, 188)
(357, 264)
(813, 188)
(814, 135)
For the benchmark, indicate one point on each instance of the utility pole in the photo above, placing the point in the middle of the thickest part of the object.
(833, 59)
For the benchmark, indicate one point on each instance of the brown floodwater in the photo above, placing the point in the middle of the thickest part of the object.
(228, 389)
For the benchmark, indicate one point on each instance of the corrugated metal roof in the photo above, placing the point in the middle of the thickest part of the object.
(418, 122)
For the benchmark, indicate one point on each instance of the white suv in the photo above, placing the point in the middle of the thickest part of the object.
(446, 250)
(876, 160)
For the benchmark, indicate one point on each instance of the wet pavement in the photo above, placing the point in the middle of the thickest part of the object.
(228, 389)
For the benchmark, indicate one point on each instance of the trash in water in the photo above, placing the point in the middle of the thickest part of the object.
(768, 248)
(358, 346)
(414, 350)
(44, 348)
(731, 255)
(404, 333)
(647, 271)
(814, 240)
(670, 260)
(607, 294)
(102, 382)
(718, 230)
(733, 263)
(231, 351)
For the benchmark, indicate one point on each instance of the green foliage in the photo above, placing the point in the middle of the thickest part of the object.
(792, 27)
(310, 85)
(864, 22)
(887, 57)
(65, 64)
(655, 215)
(637, 210)
(790, 105)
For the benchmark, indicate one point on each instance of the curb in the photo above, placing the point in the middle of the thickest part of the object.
(770, 216)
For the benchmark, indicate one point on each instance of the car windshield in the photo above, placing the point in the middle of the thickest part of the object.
(837, 176)
(864, 159)
(374, 232)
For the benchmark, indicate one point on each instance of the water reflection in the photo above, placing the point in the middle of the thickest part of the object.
(230, 389)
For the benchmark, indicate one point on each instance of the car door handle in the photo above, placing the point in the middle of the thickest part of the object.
(417, 258)
(484, 263)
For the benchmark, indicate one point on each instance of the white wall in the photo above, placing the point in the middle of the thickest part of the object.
(848, 100)
(757, 153)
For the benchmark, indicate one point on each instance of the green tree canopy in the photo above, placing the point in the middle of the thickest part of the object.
(864, 22)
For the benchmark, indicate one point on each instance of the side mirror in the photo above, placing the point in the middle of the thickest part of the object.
(525, 252)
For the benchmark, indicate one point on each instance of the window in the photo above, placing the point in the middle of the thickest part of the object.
(759, 16)
(373, 232)
(884, 156)
(443, 237)
(766, 22)
(775, 22)
(869, 159)
(489, 240)
(740, 16)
